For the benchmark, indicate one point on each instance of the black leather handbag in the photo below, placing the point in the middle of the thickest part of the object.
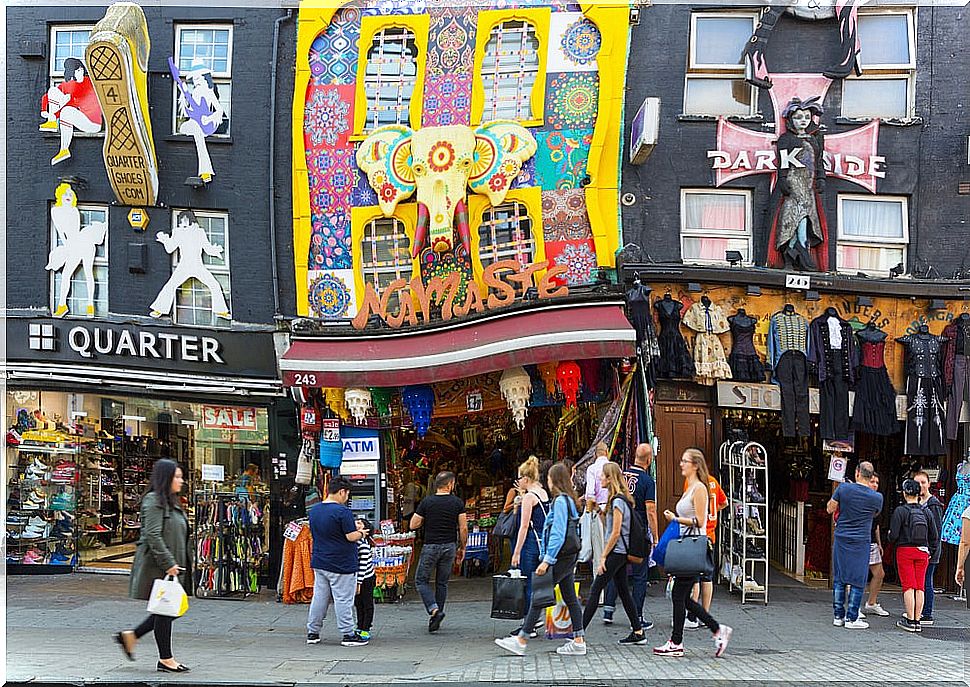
(689, 555)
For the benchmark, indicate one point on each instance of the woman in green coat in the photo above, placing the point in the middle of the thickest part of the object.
(162, 550)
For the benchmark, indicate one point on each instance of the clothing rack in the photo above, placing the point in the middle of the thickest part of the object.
(230, 543)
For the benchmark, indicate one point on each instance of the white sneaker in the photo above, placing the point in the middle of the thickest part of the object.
(512, 645)
(571, 648)
(876, 609)
(669, 649)
(838, 622)
(691, 624)
(862, 616)
(721, 640)
(857, 624)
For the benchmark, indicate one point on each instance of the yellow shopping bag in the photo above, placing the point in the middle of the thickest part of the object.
(558, 623)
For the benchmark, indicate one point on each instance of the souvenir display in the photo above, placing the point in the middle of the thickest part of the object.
(874, 410)
(924, 393)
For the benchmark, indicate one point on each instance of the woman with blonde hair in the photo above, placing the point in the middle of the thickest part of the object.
(612, 563)
(532, 502)
(691, 515)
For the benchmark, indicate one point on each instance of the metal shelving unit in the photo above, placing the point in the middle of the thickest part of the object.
(744, 535)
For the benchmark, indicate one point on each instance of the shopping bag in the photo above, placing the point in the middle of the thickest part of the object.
(559, 625)
(168, 598)
(689, 555)
(543, 590)
(585, 538)
(508, 597)
(660, 550)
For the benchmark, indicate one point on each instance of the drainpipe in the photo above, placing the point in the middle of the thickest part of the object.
(272, 161)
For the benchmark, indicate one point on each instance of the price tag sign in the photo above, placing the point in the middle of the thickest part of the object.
(213, 473)
(292, 531)
(473, 401)
(330, 430)
(837, 468)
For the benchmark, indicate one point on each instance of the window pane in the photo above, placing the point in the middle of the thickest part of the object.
(390, 77)
(715, 213)
(68, 43)
(209, 47)
(873, 259)
(717, 97)
(886, 98)
(712, 249)
(885, 39)
(193, 300)
(386, 256)
(510, 67)
(77, 300)
(719, 40)
(871, 218)
(506, 234)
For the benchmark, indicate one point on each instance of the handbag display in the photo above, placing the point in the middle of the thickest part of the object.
(508, 597)
(168, 598)
(689, 555)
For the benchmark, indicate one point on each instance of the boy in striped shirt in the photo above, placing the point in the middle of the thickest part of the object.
(364, 601)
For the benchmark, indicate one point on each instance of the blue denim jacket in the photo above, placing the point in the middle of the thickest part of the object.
(554, 532)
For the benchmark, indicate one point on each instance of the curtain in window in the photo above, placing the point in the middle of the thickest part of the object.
(872, 219)
(715, 211)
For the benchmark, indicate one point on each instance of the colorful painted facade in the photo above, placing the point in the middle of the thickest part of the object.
(433, 139)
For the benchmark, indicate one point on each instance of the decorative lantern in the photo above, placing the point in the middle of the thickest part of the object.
(419, 402)
(334, 397)
(516, 387)
(358, 403)
(381, 398)
(569, 378)
(548, 373)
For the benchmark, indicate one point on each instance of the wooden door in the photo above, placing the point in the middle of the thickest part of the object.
(678, 427)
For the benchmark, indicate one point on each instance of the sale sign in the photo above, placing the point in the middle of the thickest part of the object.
(229, 417)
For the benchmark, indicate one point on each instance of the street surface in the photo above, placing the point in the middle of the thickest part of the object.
(59, 632)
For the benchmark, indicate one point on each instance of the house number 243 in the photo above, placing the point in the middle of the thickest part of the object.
(305, 379)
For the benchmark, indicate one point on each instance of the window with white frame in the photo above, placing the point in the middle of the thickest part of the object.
(873, 233)
(204, 51)
(713, 222)
(715, 84)
(78, 298)
(193, 299)
(888, 58)
(506, 233)
(390, 77)
(510, 67)
(66, 42)
(385, 255)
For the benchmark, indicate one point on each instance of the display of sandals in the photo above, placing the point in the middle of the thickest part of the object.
(744, 531)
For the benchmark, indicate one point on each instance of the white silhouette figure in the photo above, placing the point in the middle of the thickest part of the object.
(203, 112)
(77, 247)
(191, 241)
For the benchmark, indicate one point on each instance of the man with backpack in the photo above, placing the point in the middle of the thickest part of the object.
(917, 537)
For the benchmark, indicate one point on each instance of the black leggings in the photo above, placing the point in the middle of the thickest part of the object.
(616, 571)
(683, 602)
(364, 602)
(162, 626)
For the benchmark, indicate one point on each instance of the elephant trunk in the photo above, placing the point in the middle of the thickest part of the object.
(421, 230)
(442, 216)
(464, 229)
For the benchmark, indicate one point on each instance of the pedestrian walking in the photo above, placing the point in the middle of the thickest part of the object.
(960, 576)
(643, 488)
(857, 505)
(691, 512)
(163, 549)
(334, 562)
(877, 572)
(531, 516)
(917, 537)
(703, 591)
(559, 551)
(596, 496)
(366, 578)
(445, 532)
(935, 508)
(611, 565)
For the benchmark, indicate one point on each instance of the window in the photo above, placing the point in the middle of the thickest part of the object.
(888, 58)
(205, 46)
(193, 299)
(66, 41)
(506, 234)
(78, 299)
(873, 233)
(386, 255)
(390, 77)
(713, 222)
(715, 74)
(510, 66)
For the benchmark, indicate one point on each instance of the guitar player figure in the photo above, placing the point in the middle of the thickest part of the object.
(203, 112)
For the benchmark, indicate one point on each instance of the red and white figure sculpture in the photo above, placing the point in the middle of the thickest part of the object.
(69, 105)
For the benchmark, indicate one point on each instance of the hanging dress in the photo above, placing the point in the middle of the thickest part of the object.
(708, 321)
(675, 360)
(874, 410)
(924, 395)
(746, 365)
(952, 525)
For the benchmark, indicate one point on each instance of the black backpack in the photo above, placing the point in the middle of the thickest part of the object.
(919, 529)
(636, 545)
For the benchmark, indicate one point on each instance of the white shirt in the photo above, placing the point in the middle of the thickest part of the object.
(835, 332)
(594, 482)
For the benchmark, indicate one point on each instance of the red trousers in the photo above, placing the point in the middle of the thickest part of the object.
(911, 563)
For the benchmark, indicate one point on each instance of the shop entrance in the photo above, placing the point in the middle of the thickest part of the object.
(678, 427)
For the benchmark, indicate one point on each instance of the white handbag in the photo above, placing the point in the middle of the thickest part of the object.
(168, 598)
(585, 538)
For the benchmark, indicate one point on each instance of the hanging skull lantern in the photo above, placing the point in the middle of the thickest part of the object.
(548, 373)
(358, 403)
(516, 387)
(569, 377)
(334, 397)
(419, 402)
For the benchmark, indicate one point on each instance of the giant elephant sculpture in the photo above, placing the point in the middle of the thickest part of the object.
(439, 162)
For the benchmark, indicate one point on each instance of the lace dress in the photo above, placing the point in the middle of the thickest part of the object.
(675, 360)
(708, 321)
(745, 364)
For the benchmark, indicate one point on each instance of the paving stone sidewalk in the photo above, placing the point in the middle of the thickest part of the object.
(59, 631)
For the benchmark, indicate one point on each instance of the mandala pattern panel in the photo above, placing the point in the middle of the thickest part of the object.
(564, 216)
(331, 294)
(573, 101)
(574, 43)
(327, 115)
(447, 100)
(387, 7)
(578, 257)
(527, 177)
(442, 264)
(561, 158)
(451, 48)
(333, 54)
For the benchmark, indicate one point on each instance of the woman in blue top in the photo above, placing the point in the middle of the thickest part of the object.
(531, 518)
(562, 562)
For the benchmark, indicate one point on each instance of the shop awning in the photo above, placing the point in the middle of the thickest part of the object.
(566, 332)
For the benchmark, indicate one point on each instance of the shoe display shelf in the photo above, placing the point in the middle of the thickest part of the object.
(138, 456)
(744, 535)
(231, 543)
(42, 488)
(99, 511)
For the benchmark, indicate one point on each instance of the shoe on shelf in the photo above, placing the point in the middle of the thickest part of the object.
(512, 645)
(721, 639)
(353, 640)
(33, 557)
(572, 648)
(691, 624)
(312, 638)
(669, 649)
(633, 639)
(856, 624)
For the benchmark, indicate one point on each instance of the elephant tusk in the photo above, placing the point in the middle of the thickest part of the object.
(464, 232)
(421, 230)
